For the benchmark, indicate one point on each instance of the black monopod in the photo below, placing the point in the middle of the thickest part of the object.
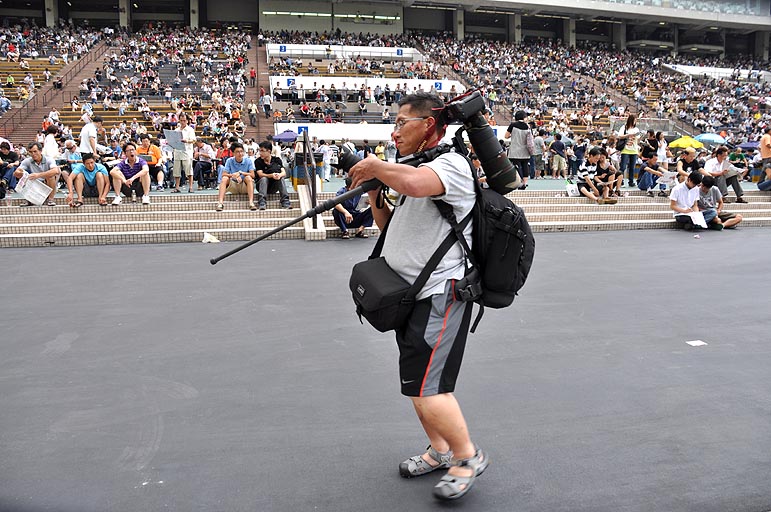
(318, 209)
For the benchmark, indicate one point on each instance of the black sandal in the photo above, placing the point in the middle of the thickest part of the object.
(361, 234)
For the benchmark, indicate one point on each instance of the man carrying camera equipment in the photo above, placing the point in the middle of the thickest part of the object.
(432, 340)
(421, 286)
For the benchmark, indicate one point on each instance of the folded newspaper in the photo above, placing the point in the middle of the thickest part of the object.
(668, 178)
(34, 191)
(174, 139)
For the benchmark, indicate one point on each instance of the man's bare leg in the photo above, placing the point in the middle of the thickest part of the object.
(445, 426)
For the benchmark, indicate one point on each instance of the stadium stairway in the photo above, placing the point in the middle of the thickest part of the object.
(26, 130)
(186, 217)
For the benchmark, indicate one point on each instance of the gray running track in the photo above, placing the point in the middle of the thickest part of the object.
(142, 378)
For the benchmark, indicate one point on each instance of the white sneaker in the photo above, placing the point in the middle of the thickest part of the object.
(145, 199)
(118, 200)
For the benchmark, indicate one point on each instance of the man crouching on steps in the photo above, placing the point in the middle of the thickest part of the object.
(432, 341)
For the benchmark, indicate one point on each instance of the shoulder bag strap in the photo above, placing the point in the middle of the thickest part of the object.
(381, 238)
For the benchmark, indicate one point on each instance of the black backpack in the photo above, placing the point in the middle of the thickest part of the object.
(503, 249)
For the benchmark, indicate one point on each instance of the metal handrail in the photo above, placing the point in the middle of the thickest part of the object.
(310, 176)
(43, 97)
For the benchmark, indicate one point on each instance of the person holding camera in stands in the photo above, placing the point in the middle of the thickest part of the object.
(430, 357)
(270, 176)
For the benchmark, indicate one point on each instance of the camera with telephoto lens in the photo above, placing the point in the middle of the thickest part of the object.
(468, 109)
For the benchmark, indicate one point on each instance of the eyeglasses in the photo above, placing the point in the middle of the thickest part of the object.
(400, 123)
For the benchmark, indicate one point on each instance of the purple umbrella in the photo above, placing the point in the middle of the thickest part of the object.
(285, 136)
(749, 146)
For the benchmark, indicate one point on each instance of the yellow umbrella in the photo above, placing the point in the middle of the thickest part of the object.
(686, 142)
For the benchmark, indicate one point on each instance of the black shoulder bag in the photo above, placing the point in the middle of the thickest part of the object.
(381, 295)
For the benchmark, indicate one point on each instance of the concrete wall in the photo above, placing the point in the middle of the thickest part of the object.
(425, 19)
(331, 22)
(232, 10)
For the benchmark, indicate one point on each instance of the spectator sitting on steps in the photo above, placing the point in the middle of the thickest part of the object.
(237, 176)
(683, 200)
(347, 214)
(89, 179)
(131, 174)
(710, 198)
(270, 176)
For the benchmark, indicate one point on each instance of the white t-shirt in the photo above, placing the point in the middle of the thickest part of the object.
(417, 228)
(685, 197)
(188, 133)
(86, 133)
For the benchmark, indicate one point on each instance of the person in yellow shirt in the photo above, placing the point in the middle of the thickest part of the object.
(380, 150)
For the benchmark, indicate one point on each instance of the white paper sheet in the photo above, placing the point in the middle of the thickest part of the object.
(669, 178)
(34, 191)
(174, 139)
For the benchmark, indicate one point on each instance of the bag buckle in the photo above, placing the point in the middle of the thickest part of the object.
(469, 289)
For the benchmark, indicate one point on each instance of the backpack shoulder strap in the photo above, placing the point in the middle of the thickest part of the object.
(431, 265)
(446, 210)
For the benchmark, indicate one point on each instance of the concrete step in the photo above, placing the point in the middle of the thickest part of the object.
(102, 226)
(141, 237)
(156, 206)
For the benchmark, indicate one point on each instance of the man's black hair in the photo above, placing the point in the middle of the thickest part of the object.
(708, 181)
(695, 177)
(87, 156)
(235, 146)
(266, 145)
(595, 151)
(424, 103)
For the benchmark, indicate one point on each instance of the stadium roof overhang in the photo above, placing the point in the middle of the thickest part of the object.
(601, 11)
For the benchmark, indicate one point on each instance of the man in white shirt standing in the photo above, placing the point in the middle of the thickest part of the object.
(724, 173)
(683, 200)
(89, 136)
(183, 159)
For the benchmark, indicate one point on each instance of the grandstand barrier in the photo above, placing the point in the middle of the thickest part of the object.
(320, 51)
(750, 75)
(284, 84)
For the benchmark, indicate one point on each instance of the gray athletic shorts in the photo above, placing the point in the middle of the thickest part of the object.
(431, 344)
